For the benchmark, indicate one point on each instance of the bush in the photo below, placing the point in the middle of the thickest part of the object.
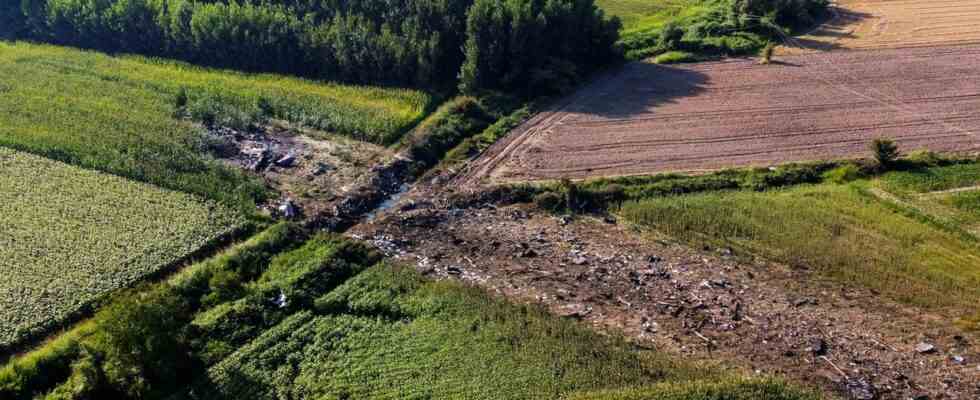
(550, 201)
(765, 56)
(672, 57)
(925, 158)
(885, 152)
(140, 343)
(843, 174)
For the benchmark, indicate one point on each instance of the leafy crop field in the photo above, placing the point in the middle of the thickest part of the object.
(388, 334)
(72, 235)
(914, 247)
(327, 320)
(116, 114)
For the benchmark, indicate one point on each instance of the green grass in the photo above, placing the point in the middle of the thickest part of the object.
(71, 236)
(841, 231)
(923, 180)
(644, 14)
(387, 333)
(116, 114)
(672, 57)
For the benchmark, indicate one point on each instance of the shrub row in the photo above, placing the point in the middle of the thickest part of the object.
(548, 43)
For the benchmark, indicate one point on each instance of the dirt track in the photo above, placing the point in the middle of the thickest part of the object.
(650, 118)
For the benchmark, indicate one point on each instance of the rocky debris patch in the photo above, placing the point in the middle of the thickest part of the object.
(700, 304)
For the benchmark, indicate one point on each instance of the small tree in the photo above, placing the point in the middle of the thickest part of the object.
(765, 56)
(885, 152)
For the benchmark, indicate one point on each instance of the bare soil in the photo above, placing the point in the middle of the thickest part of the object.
(870, 24)
(312, 169)
(650, 118)
(700, 304)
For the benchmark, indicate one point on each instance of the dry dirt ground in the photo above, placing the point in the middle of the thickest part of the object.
(650, 118)
(705, 304)
(312, 169)
(868, 24)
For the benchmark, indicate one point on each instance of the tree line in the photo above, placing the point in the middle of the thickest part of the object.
(512, 45)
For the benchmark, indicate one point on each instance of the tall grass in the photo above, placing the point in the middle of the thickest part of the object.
(840, 231)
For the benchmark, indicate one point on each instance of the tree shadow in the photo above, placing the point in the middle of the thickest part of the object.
(636, 88)
(828, 33)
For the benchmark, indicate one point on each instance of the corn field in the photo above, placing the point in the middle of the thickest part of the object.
(70, 236)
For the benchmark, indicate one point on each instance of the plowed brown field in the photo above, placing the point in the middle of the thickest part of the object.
(649, 118)
(864, 24)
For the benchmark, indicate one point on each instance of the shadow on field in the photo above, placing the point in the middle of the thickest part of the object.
(839, 25)
(637, 89)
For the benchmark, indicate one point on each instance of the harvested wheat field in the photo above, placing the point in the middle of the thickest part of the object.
(651, 118)
(868, 24)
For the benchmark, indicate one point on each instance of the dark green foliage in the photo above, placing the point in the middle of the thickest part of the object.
(11, 21)
(535, 46)
(843, 174)
(884, 151)
(222, 277)
(141, 350)
(452, 123)
(474, 145)
(549, 201)
(548, 43)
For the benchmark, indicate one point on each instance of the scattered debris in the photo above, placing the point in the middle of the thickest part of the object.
(281, 301)
(818, 347)
(287, 209)
(286, 161)
(860, 389)
(925, 348)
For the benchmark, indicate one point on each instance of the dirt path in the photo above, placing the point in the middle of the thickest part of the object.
(699, 304)
(697, 117)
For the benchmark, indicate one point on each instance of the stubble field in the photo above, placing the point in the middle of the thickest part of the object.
(650, 118)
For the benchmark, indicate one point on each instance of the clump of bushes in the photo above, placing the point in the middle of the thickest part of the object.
(725, 27)
(843, 174)
(885, 152)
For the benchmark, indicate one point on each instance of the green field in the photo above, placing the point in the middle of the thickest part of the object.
(878, 233)
(328, 320)
(71, 236)
(116, 114)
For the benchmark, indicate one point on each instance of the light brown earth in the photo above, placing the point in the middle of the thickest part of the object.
(868, 24)
(650, 118)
